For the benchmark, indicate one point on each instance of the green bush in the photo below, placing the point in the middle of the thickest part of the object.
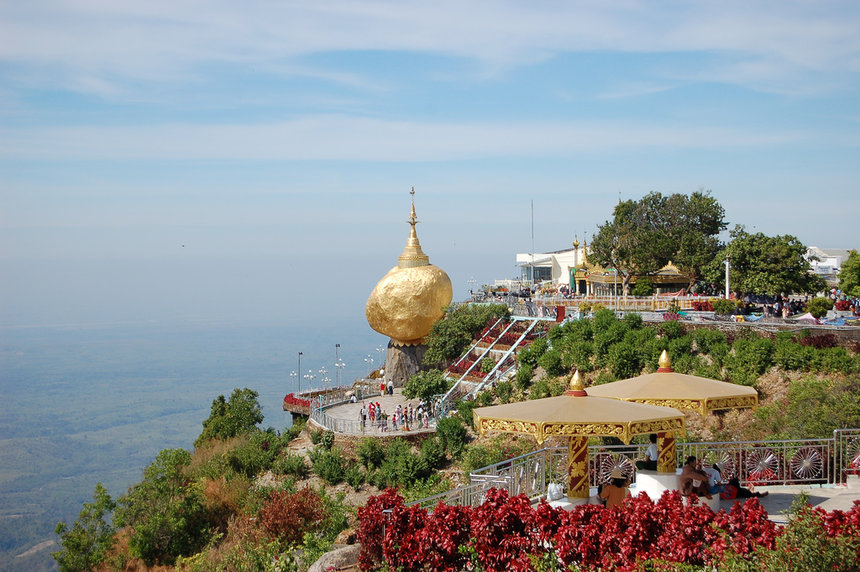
(818, 307)
(88, 541)
(551, 362)
(524, 376)
(370, 452)
(671, 329)
(452, 433)
(327, 439)
(724, 307)
(433, 452)
(330, 465)
(642, 287)
(791, 356)
(749, 359)
(164, 511)
(484, 398)
(452, 335)
(255, 455)
(531, 354)
(504, 390)
(354, 476)
(464, 411)
(291, 464)
(603, 320)
(577, 355)
(707, 338)
(633, 320)
(624, 360)
(229, 418)
(487, 365)
(425, 385)
(540, 389)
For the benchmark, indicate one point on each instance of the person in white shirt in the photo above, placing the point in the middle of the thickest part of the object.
(650, 462)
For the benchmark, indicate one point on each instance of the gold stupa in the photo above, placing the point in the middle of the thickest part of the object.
(408, 300)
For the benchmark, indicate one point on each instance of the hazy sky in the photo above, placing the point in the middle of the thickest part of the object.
(216, 160)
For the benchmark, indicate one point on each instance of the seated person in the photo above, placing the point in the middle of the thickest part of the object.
(650, 462)
(715, 479)
(693, 479)
(734, 490)
(616, 491)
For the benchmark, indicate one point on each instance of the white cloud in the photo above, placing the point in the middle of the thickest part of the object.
(164, 41)
(345, 138)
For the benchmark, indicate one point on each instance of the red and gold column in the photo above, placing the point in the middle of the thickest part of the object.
(577, 468)
(666, 456)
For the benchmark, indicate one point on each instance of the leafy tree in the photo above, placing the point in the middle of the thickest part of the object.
(849, 274)
(819, 306)
(229, 418)
(91, 536)
(164, 511)
(645, 235)
(634, 242)
(425, 384)
(452, 334)
(763, 264)
(694, 223)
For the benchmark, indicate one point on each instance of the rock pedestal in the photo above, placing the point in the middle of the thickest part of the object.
(402, 362)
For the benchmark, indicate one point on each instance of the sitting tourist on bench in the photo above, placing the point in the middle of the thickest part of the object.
(693, 480)
(650, 462)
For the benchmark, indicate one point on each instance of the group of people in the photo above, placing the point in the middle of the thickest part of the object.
(402, 418)
(695, 479)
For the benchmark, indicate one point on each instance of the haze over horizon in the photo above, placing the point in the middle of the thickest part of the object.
(215, 162)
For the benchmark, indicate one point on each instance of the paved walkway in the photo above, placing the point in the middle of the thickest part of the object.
(828, 497)
(349, 412)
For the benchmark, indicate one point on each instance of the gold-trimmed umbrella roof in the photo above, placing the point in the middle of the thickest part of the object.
(577, 414)
(682, 391)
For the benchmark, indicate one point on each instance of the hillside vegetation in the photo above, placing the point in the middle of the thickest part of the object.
(253, 499)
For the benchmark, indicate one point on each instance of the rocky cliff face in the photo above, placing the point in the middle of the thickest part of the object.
(401, 362)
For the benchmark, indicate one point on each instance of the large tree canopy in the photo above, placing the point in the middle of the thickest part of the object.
(762, 264)
(647, 234)
(849, 275)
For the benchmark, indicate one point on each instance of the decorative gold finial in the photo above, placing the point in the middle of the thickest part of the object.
(575, 241)
(576, 388)
(412, 255)
(665, 363)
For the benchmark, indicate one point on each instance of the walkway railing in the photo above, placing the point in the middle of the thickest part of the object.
(800, 461)
(343, 395)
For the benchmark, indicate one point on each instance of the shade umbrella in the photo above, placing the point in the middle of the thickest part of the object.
(578, 416)
(685, 392)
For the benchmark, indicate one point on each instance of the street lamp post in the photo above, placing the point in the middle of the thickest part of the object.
(336, 361)
(310, 377)
(323, 379)
(295, 376)
(298, 375)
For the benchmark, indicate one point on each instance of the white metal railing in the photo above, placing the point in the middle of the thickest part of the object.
(783, 462)
(377, 427)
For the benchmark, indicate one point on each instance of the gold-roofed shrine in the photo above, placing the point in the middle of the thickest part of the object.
(681, 391)
(578, 416)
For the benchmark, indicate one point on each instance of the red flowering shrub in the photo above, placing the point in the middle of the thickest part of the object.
(703, 306)
(288, 516)
(507, 533)
(291, 399)
(372, 518)
(842, 305)
(504, 534)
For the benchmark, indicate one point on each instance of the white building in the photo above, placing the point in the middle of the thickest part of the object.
(829, 260)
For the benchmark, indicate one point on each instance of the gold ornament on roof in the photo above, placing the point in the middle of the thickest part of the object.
(665, 364)
(408, 300)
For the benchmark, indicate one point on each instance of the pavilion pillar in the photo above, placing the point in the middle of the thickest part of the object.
(666, 456)
(577, 468)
